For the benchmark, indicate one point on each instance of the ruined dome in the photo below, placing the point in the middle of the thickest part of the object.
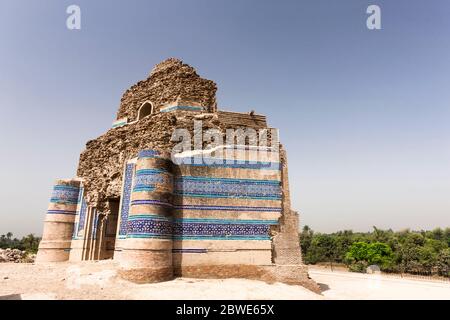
(171, 82)
(167, 64)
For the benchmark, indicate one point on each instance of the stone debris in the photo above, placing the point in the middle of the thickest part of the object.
(16, 256)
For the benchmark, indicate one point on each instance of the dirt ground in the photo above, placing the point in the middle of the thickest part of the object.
(97, 280)
(348, 285)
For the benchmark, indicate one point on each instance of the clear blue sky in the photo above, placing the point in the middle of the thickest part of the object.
(363, 114)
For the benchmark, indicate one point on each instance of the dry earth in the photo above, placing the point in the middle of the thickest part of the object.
(348, 285)
(97, 280)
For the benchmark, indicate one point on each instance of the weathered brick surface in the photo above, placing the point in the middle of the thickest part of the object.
(146, 275)
(169, 81)
(285, 243)
(235, 119)
(293, 274)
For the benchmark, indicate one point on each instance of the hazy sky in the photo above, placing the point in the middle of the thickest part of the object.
(364, 114)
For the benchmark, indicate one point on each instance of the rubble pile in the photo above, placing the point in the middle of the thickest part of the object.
(16, 256)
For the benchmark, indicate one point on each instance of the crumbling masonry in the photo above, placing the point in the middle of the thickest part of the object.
(160, 218)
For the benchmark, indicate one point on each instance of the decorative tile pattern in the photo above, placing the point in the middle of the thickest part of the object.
(228, 188)
(141, 188)
(70, 212)
(148, 154)
(252, 148)
(221, 230)
(146, 179)
(82, 219)
(154, 226)
(80, 194)
(149, 216)
(120, 123)
(229, 208)
(96, 217)
(147, 172)
(126, 198)
(224, 163)
(225, 221)
(151, 202)
(64, 194)
(149, 226)
(187, 108)
(225, 237)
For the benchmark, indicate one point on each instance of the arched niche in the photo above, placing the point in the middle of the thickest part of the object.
(146, 109)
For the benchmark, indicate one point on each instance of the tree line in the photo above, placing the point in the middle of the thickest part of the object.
(415, 252)
(29, 243)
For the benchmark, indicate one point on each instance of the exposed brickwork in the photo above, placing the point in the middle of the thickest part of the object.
(285, 243)
(169, 81)
(234, 119)
(146, 275)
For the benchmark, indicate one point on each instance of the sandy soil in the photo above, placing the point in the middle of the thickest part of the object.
(97, 280)
(349, 285)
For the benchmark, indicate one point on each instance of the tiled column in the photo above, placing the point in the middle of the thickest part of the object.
(78, 247)
(124, 208)
(147, 250)
(59, 222)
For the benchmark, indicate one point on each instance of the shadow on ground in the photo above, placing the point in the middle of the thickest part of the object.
(323, 287)
(11, 297)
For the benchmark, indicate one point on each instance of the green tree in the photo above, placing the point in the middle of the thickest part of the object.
(437, 234)
(381, 254)
(403, 251)
(30, 243)
(380, 235)
(306, 237)
(356, 256)
(344, 239)
(322, 249)
(362, 254)
(447, 236)
(443, 262)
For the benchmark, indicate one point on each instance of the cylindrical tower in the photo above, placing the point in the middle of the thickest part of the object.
(59, 222)
(147, 250)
